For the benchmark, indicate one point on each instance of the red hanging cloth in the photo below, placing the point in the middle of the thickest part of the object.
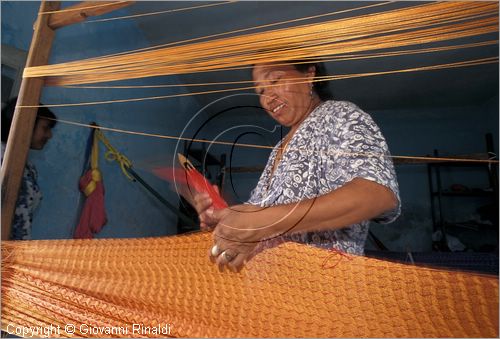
(93, 216)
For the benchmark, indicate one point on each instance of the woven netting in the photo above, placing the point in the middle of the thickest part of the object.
(289, 291)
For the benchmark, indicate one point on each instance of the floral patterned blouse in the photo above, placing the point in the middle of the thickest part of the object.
(335, 144)
(28, 200)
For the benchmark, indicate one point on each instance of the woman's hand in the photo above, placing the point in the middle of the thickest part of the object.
(236, 235)
(203, 205)
(241, 228)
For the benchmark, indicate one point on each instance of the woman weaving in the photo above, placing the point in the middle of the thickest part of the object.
(323, 182)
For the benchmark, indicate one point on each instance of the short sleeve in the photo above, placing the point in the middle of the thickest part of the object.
(360, 151)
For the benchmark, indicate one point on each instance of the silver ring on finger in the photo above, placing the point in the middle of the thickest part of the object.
(228, 257)
(214, 251)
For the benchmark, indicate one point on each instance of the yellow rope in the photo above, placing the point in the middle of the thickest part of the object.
(112, 153)
(397, 28)
(323, 78)
(94, 166)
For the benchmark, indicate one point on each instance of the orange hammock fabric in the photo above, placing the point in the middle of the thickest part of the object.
(167, 287)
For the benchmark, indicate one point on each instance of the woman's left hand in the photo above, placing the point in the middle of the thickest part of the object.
(236, 236)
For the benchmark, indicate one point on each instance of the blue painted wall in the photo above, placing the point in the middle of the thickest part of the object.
(132, 211)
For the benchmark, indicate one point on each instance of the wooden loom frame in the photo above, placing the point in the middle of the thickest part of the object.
(23, 122)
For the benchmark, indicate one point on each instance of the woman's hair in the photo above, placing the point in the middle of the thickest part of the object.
(320, 87)
(8, 114)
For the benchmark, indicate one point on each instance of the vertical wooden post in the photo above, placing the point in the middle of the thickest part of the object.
(23, 122)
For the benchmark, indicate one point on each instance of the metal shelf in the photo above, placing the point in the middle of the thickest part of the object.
(437, 193)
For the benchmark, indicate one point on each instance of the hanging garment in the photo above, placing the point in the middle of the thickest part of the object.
(93, 216)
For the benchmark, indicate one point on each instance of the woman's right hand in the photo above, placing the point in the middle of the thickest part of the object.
(204, 206)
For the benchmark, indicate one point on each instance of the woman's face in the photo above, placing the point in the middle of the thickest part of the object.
(288, 100)
(41, 134)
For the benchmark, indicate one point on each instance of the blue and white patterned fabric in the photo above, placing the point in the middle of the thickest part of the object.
(28, 200)
(335, 144)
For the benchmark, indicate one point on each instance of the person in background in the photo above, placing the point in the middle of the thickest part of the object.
(29, 193)
(324, 181)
